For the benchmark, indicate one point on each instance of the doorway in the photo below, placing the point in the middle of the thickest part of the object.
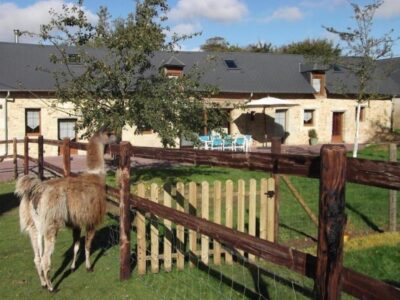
(337, 127)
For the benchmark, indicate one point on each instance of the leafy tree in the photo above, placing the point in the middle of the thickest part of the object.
(219, 44)
(260, 47)
(367, 49)
(111, 80)
(312, 49)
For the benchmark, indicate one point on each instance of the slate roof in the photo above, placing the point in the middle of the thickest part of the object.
(22, 65)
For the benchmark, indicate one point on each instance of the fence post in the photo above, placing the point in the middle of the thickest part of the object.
(124, 208)
(217, 220)
(15, 158)
(141, 234)
(205, 240)
(40, 157)
(192, 233)
(66, 157)
(332, 221)
(168, 236)
(26, 155)
(276, 145)
(154, 193)
(252, 211)
(180, 230)
(392, 193)
(229, 213)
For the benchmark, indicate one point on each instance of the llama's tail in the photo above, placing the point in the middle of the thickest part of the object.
(29, 188)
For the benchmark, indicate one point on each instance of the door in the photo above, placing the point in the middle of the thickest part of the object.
(66, 129)
(337, 127)
(280, 123)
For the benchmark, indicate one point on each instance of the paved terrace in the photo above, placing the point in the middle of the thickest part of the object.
(78, 162)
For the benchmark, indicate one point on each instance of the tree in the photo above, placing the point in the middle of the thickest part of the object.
(112, 82)
(219, 44)
(312, 49)
(367, 49)
(260, 47)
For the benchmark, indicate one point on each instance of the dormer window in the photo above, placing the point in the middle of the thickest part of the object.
(74, 59)
(316, 84)
(231, 64)
(317, 81)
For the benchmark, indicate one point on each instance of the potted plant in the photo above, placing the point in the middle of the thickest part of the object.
(312, 134)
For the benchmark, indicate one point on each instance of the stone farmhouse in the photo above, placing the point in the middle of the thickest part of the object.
(321, 98)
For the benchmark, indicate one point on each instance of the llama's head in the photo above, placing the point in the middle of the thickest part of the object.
(95, 150)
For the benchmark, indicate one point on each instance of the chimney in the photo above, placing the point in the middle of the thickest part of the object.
(17, 34)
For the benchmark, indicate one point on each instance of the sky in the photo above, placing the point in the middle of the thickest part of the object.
(240, 22)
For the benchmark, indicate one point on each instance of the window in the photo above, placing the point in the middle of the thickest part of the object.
(362, 114)
(66, 129)
(316, 84)
(231, 64)
(32, 121)
(308, 117)
(74, 59)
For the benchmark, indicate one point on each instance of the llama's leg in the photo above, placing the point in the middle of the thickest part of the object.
(88, 242)
(49, 242)
(76, 234)
(34, 240)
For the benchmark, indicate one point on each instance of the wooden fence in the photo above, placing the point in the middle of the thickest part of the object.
(331, 167)
(201, 201)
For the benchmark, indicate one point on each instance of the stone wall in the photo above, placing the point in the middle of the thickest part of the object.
(252, 121)
(396, 113)
(377, 116)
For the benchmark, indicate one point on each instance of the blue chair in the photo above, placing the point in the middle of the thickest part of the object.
(228, 143)
(204, 141)
(217, 144)
(240, 144)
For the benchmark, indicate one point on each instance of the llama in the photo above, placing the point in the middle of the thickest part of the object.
(76, 202)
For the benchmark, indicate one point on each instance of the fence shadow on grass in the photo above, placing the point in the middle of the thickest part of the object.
(101, 243)
(8, 202)
(171, 176)
(365, 218)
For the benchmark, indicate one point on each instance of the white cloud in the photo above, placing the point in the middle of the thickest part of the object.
(186, 28)
(216, 10)
(389, 9)
(286, 13)
(29, 18)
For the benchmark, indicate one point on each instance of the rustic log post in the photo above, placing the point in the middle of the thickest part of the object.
(26, 155)
(124, 207)
(276, 143)
(40, 157)
(332, 221)
(66, 149)
(392, 193)
(15, 158)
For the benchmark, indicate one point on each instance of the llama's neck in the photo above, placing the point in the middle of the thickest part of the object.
(95, 157)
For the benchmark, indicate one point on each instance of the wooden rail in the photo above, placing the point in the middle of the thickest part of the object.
(363, 171)
(369, 172)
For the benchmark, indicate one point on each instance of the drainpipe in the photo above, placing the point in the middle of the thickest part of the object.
(5, 121)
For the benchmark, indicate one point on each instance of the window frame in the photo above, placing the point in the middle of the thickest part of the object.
(312, 124)
(26, 122)
(362, 114)
(63, 120)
